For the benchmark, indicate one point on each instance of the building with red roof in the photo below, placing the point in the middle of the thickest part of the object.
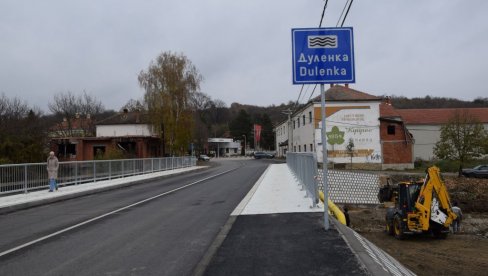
(425, 126)
(377, 131)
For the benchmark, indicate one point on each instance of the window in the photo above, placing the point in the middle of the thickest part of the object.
(298, 122)
(391, 130)
(310, 117)
(98, 152)
(311, 148)
(293, 124)
(67, 150)
(299, 148)
(303, 119)
(304, 146)
(295, 148)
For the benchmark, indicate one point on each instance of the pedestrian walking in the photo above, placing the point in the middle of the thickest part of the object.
(456, 224)
(52, 171)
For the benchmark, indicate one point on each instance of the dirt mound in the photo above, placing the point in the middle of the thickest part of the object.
(460, 254)
(470, 193)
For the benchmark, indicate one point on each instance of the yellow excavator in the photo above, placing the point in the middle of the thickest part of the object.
(418, 206)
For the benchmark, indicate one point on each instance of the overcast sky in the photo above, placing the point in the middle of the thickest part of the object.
(242, 48)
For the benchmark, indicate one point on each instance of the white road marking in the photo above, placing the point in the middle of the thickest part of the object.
(107, 214)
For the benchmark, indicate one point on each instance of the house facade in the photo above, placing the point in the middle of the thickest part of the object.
(353, 118)
(125, 134)
(425, 126)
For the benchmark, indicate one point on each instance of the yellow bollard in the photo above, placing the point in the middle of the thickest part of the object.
(333, 209)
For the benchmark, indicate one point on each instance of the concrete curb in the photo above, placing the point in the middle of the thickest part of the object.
(374, 259)
(212, 249)
(40, 202)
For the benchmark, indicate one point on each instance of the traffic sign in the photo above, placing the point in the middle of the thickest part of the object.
(323, 55)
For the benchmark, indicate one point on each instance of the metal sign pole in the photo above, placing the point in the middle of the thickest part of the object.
(324, 158)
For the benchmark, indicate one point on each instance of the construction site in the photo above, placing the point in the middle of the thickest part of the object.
(463, 253)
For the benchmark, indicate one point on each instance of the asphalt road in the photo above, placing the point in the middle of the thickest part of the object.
(166, 235)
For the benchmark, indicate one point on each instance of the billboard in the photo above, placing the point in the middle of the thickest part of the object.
(355, 125)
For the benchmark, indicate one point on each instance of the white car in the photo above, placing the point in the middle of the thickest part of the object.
(203, 157)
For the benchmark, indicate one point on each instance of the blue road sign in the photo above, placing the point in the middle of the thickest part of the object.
(323, 55)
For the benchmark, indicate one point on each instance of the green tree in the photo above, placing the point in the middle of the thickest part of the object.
(242, 125)
(462, 138)
(267, 134)
(169, 82)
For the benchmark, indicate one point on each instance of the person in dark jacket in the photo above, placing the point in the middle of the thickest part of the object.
(52, 171)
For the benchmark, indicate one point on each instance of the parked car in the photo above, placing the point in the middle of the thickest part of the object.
(203, 157)
(480, 171)
(261, 154)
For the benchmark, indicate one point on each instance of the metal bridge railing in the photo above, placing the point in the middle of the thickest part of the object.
(33, 176)
(304, 168)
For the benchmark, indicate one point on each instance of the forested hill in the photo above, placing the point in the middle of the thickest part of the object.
(436, 102)
(275, 112)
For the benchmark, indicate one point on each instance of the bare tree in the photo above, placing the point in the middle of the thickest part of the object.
(21, 132)
(70, 108)
(200, 101)
(134, 105)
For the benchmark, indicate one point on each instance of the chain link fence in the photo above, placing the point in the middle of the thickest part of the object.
(351, 187)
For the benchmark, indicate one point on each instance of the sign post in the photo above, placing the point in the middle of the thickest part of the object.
(324, 158)
(323, 55)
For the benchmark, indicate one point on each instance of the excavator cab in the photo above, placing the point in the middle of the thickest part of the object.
(403, 195)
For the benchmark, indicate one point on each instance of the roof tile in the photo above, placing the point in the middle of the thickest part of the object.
(439, 115)
(342, 93)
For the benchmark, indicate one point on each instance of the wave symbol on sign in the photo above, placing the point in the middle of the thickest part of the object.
(322, 41)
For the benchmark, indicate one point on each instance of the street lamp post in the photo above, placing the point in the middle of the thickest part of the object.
(243, 135)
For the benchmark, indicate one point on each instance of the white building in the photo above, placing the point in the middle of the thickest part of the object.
(124, 125)
(351, 116)
(224, 147)
(425, 126)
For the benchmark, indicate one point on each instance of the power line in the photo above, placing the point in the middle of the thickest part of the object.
(305, 94)
(349, 8)
(344, 10)
(323, 13)
(320, 25)
(309, 98)
(299, 95)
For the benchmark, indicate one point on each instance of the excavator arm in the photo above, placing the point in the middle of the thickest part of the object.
(433, 201)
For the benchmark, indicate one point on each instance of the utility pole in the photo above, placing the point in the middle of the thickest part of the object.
(324, 157)
(244, 144)
(290, 129)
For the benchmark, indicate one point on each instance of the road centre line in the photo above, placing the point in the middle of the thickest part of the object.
(109, 213)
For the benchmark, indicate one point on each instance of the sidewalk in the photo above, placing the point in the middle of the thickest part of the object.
(275, 231)
(21, 201)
